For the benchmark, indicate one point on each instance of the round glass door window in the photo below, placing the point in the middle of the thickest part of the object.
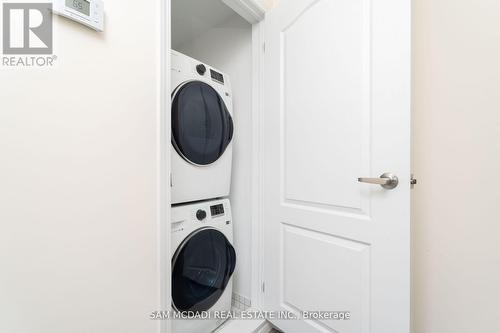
(202, 127)
(201, 269)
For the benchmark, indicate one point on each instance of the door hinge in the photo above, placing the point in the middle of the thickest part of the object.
(263, 287)
(171, 182)
(413, 181)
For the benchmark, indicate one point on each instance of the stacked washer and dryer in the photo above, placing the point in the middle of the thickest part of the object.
(203, 256)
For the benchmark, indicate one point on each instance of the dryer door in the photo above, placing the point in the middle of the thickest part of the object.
(201, 269)
(202, 126)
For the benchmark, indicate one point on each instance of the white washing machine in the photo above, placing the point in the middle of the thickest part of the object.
(202, 131)
(203, 261)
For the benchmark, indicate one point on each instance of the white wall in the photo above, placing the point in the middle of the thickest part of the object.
(456, 220)
(78, 147)
(228, 47)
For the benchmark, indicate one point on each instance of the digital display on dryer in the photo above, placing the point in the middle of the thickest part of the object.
(217, 76)
(217, 210)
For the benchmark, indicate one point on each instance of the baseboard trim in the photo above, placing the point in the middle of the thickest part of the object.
(264, 328)
(245, 326)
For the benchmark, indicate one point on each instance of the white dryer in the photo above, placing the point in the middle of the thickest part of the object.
(203, 261)
(202, 131)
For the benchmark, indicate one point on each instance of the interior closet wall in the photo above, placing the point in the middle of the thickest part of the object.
(228, 47)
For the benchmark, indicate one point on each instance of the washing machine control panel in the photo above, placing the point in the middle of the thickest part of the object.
(215, 211)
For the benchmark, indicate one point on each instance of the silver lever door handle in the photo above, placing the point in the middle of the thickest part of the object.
(387, 181)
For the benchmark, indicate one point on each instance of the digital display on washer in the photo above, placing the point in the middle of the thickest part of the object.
(217, 210)
(217, 76)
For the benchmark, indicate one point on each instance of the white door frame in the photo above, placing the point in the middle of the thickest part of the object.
(254, 14)
(163, 163)
(258, 47)
(251, 11)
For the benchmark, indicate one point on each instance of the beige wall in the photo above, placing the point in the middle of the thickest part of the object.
(78, 229)
(456, 218)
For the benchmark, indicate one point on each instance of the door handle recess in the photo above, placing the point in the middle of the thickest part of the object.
(388, 181)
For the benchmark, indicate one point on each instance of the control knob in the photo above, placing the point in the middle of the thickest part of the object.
(201, 215)
(201, 69)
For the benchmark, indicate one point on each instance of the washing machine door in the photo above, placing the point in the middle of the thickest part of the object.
(202, 127)
(201, 269)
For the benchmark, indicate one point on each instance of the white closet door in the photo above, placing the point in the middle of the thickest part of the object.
(337, 107)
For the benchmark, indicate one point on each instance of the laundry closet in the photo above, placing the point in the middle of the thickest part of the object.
(212, 162)
(282, 191)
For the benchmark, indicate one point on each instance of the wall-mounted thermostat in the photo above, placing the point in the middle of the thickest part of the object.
(87, 12)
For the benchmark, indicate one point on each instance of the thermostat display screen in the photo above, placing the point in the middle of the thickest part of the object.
(82, 6)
